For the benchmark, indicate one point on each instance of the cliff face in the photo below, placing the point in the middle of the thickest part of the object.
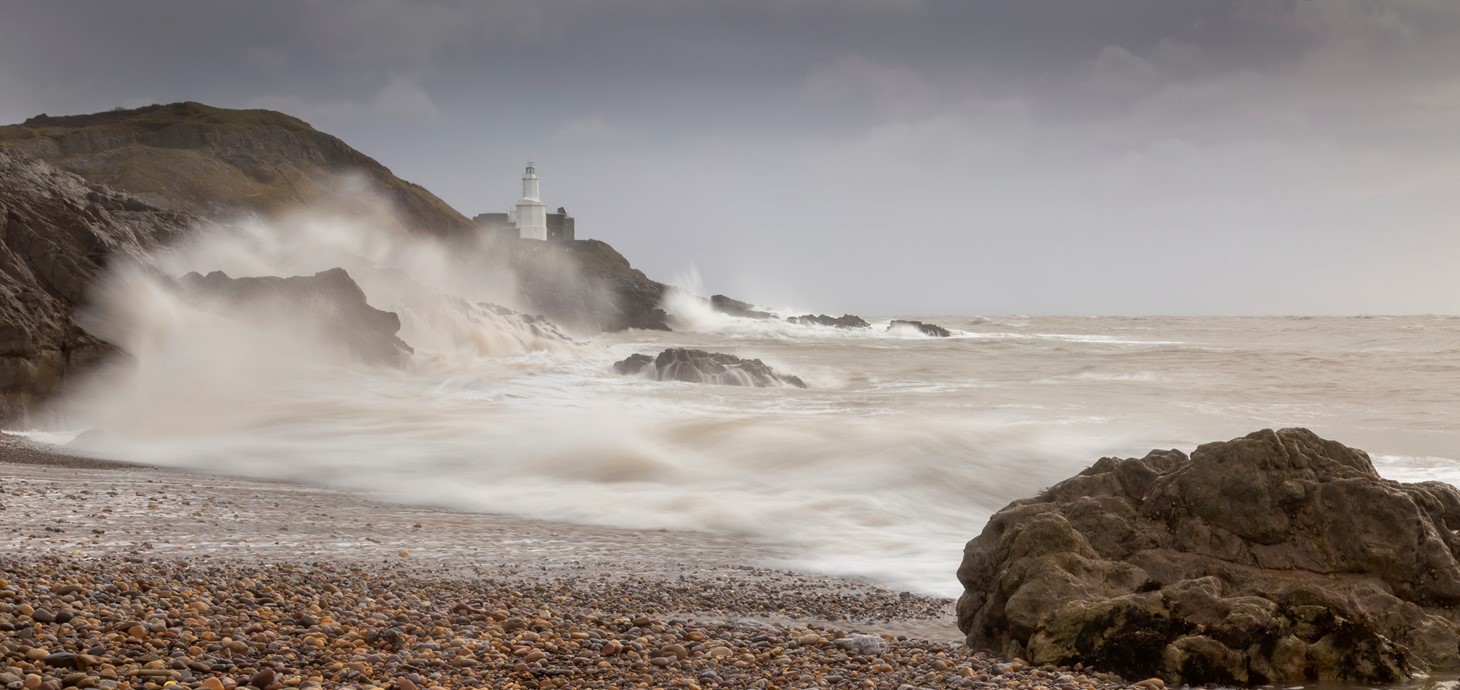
(56, 234)
(213, 161)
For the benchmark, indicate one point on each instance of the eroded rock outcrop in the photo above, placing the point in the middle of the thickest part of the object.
(929, 329)
(328, 301)
(843, 321)
(734, 307)
(699, 366)
(57, 232)
(1278, 557)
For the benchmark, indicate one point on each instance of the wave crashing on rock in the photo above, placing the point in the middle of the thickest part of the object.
(931, 330)
(843, 321)
(699, 366)
(330, 300)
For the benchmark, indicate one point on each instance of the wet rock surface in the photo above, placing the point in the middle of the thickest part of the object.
(734, 307)
(843, 321)
(57, 232)
(699, 366)
(1274, 558)
(928, 329)
(329, 300)
(633, 364)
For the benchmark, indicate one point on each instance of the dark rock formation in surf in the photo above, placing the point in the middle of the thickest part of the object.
(843, 321)
(734, 307)
(329, 301)
(633, 364)
(56, 234)
(928, 329)
(698, 366)
(1279, 557)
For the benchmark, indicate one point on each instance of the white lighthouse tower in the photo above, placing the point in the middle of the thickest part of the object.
(531, 216)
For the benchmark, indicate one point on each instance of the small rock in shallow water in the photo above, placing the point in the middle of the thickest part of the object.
(699, 366)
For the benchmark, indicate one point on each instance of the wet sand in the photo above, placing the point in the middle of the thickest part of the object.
(462, 600)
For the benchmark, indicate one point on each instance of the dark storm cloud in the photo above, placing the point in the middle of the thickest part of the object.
(1120, 156)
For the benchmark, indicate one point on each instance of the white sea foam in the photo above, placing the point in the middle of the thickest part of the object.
(1418, 468)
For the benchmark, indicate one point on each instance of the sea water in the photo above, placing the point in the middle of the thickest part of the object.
(895, 455)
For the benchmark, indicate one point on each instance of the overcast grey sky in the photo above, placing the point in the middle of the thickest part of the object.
(874, 156)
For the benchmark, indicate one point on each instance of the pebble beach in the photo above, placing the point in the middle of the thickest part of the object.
(126, 577)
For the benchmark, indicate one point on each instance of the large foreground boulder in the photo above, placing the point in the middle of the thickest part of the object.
(329, 301)
(699, 366)
(1279, 557)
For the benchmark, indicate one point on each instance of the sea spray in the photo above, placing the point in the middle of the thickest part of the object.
(901, 450)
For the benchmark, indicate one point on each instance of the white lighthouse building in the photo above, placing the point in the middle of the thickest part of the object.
(531, 214)
(530, 220)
